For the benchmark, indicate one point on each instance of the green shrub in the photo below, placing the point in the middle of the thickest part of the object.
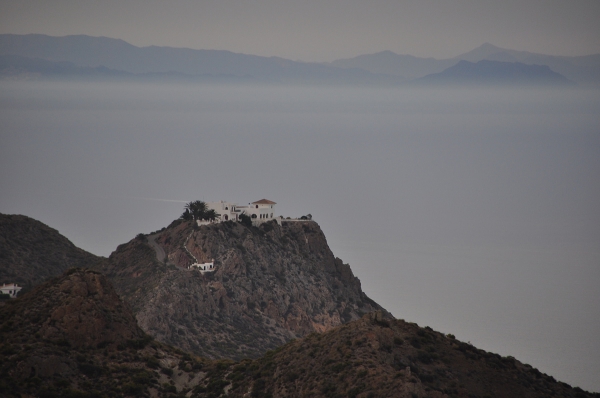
(138, 344)
(91, 370)
(166, 387)
(133, 389)
(152, 363)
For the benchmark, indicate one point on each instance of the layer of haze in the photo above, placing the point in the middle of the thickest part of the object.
(475, 212)
(318, 31)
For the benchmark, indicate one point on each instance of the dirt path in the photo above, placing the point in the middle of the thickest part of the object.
(160, 252)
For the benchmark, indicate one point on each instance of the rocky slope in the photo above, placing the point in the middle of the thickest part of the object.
(271, 284)
(31, 252)
(379, 357)
(74, 337)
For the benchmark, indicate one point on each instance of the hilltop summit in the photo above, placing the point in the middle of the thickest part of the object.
(270, 284)
(32, 252)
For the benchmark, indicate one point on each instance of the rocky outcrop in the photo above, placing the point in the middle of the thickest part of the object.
(271, 284)
(31, 252)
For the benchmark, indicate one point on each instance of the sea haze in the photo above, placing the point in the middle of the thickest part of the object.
(473, 211)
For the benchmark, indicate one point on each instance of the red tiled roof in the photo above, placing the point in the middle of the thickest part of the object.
(263, 202)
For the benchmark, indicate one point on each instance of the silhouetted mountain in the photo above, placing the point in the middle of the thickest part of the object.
(15, 67)
(154, 62)
(584, 70)
(390, 63)
(31, 252)
(495, 73)
(581, 69)
(90, 58)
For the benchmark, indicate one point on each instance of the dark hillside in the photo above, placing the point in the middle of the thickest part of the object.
(378, 357)
(31, 252)
(74, 337)
(271, 284)
(495, 73)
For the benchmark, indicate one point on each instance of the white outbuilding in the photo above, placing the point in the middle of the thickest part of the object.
(11, 289)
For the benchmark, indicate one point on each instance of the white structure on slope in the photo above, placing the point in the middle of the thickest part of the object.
(260, 211)
(204, 267)
(11, 289)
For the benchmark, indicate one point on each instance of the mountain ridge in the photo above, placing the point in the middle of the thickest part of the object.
(584, 70)
(115, 54)
(502, 73)
(118, 59)
(31, 252)
(75, 336)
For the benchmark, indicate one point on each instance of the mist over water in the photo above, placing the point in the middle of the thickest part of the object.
(475, 212)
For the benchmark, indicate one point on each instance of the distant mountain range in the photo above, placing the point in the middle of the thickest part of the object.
(37, 56)
(123, 60)
(584, 70)
(495, 73)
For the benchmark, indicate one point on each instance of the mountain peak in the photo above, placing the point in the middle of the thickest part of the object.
(34, 252)
(271, 283)
(486, 72)
(484, 51)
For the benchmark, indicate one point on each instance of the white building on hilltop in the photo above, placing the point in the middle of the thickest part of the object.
(11, 289)
(226, 210)
(260, 211)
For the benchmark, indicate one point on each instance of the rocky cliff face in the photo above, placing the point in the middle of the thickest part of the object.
(271, 284)
(31, 252)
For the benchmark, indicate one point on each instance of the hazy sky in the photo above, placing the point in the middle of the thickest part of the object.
(317, 30)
